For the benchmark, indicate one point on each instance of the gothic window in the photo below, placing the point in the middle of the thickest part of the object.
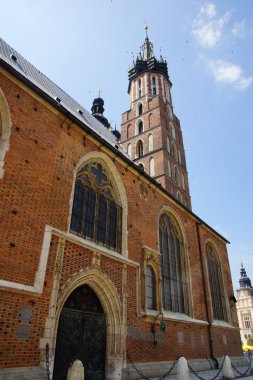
(150, 143)
(140, 127)
(128, 130)
(183, 182)
(152, 167)
(173, 132)
(179, 197)
(173, 266)
(168, 144)
(129, 150)
(179, 156)
(139, 88)
(169, 168)
(216, 284)
(139, 149)
(150, 288)
(140, 109)
(95, 213)
(177, 176)
(174, 151)
(141, 166)
(154, 90)
(5, 130)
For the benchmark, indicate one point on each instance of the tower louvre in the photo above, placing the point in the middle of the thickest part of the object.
(150, 131)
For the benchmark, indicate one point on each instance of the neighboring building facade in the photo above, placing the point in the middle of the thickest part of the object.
(95, 253)
(244, 308)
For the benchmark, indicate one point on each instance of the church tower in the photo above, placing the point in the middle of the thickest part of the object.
(150, 131)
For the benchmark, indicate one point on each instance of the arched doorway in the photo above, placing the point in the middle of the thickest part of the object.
(81, 335)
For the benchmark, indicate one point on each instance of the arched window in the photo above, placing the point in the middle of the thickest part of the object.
(154, 90)
(173, 132)
(5, 130)
(179, 197)
(169, 168)
(168, 144)
(139, 149)
(129, 150)
(150, 143)
(216, 284)
(150, 288)
(179, 156)
(174, 151)
(95, 213)
(128, 130)
(140, 109)
(141, 166)
(140, 127)
(139, 88)
(173, 266)
(152, 167)
(177, 176)
(183, 182)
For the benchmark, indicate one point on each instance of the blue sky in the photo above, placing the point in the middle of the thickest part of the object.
(86, 45)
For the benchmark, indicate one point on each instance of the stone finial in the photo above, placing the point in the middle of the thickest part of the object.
(227, 371)
(76, 371)
(182, 369)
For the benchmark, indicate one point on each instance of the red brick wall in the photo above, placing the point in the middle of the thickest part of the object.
(35, 191)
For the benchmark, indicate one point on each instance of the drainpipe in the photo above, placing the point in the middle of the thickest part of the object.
(205, 297)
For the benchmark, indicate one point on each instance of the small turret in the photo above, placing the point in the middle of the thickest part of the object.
(244, 280)
(97, 110)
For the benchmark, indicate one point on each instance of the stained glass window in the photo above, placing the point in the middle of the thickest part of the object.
(95, 214)
(216, 284)
(174, 279)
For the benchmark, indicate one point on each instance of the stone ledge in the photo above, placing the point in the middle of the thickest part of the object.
(23, 373)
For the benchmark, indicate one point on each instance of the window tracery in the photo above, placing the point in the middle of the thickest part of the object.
(173, 266)
(95, 213)
(216, 284)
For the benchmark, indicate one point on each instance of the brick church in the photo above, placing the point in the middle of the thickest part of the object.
(102, 257)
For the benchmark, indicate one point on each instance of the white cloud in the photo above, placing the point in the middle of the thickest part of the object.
(206, 29)
(238, 29)
(229, 73)
(208, 9)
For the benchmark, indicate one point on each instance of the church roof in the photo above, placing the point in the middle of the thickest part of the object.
(12, 60)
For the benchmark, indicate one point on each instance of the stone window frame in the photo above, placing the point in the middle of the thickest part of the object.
(222, 289)
(151, 258)
(5, 130)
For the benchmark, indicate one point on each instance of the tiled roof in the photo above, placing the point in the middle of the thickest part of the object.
(15, 61)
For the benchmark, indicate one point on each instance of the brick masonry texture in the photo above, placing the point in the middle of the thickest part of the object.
(35, 191)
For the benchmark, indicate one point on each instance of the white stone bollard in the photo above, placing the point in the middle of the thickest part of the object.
(76, 371)
(227, 371)
(182, 369)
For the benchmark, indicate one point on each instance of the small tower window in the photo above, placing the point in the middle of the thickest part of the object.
(168, 144)
(152, 167)
(140, 109)
(154, 90)
(174, 151)
(169, 168)
(139, 88)
(183, 182)
(150, 143)
(139, 149)
(179, 156)
(173, 132)
(140, 127)
(129, 150)
(179, 197)
(177, 176)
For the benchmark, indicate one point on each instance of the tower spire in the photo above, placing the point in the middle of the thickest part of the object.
(244, 280)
